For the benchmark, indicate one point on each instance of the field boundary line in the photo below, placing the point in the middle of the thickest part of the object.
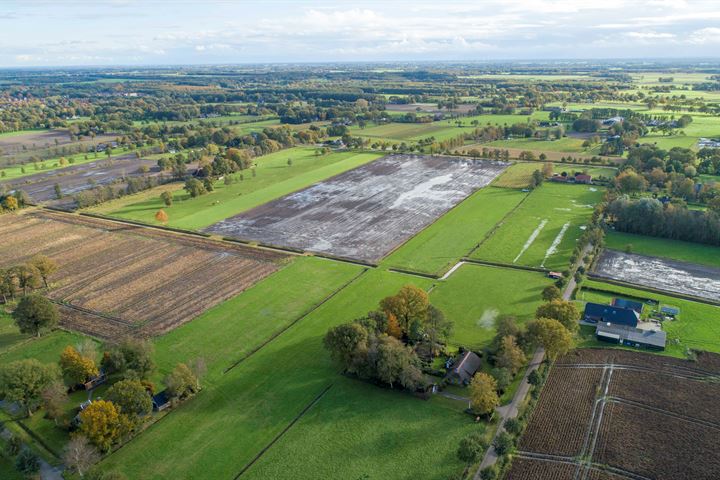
(284, 431)
(596, 423)
(487, 263)
(291, 324)
(543, 457)
(662, 411)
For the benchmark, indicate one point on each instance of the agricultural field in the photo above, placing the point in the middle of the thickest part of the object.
(273, 178)
(366, 212)
(426, 108)
(663, 247)
(475, 295)
(661, 274)
(456, 233)
(694, 328)
(108, 272)
(21, 143)
(15, 172)
(600, 413)
(76, 178)
(543, 231)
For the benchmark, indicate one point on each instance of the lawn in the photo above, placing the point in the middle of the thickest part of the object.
(376, 432)
(566, 144)
(475, 295)
(255, 401)
(663, 247)
(274, 179)
(46, 349)
(697, 326)
(456, 233)
(543, 231)
(10, 336)
(518, 175)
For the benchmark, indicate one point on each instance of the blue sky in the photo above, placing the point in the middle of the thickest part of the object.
(134, 32)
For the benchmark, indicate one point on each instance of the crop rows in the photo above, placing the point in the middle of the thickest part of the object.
(532, 469)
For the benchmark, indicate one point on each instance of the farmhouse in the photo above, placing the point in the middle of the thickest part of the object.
(631, 336)
(599, 313)
(464, 369)
(625, 303)
(577, 178)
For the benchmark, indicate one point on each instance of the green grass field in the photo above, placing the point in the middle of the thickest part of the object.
(663, 247)
(453, 235)
(255, 401)
(274, 179)
(696, 327)
(542, 232)
(566, 144)
(474, 295)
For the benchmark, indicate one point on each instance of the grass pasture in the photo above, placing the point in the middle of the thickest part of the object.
(542, 232)
(453, 235)
(475, 295)
(274, 179)
(663, 247)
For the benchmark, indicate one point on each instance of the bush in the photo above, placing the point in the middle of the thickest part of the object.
(503, 443)
(514, 426)
(471, 448)
(488, 473)
(27, 462)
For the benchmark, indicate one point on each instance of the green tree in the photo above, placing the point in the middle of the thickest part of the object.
(131, 398)
(503, 443)
(23, 382)
(194, 187)
(561, 310)
(397, 363)
(483, 394)
(132, 357)
(345, 342)
(46, 266)
(27, 463)
(410, 304)
(551, 292)
(437, 328)
(166, 198)
(35, 314)
(471, 448)
(510, 356)
(551, 335)
(182, 382)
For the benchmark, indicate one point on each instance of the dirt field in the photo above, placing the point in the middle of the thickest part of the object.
(76, 178)
(427, 108)
(663, 274)
(24, 144)
(641, 407)
(366, 212)
(116, 279)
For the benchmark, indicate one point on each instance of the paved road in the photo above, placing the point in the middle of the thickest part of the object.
(511, 410)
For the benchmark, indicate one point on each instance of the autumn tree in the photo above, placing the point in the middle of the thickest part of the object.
(45, 266)
(28, 277)
(509, 355)
(131, 398)
(561, 310)
(53, 398)
(161, 216)
(409, 305)
(75, 367)
(551, 335)
(79, 455)
(23, 382)
(483, 394)
(102, 424)
(10, 203)
(182, 382)
(551, 292)
(393, 327)
(35, 314)
(630, 182)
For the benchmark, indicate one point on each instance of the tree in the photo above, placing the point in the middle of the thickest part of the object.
(534, 378)
(471, 448)
(551, 292)
(397, 363)
(437, 328)
(510, 356)
(345, 342)
(194, 187)
(483, 394)
(23, 382)
(552, 335)
(547, 170)
(161, 216)
(564, 311)
(131, 357)
(75, 367)
(54, 397)
(102, 424)
(409, 305)
(503, 443)
(79, 455)
(10, 203)
(630, 182)
(58, 191)
(46, 266)
(131, 398)
(27, 463)
(393, 327)
(35, 314)
(28, 277)
(182, 382)
(167, 198)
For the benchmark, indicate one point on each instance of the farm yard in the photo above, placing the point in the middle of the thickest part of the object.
(602, 413)
(543, 230)
(366, 212)
(107, 271)
(660, 274)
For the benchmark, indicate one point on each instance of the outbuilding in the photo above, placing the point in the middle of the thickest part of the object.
(464, 368)
(631, 337)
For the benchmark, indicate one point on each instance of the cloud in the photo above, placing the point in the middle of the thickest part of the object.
(705, 36)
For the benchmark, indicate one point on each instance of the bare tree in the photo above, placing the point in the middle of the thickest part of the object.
(79, 455)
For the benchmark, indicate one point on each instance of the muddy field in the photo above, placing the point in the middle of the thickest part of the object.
(428, 108)
(642, 416)
(116, 279)
(76, 178)
(659, 273)
(366, 212)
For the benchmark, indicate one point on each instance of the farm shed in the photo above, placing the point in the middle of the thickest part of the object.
(464, 369)
(161, 401)
(596, 313)
(583, 178)
(625, 303)
(670, 311)
(631, 337)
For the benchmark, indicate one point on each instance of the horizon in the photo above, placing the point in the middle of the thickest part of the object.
(132, 33)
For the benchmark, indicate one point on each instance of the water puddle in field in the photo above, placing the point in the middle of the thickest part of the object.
(532, 238)
(555, 243)
(487, 320)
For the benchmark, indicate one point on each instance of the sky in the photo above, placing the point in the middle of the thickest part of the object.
(177, 32)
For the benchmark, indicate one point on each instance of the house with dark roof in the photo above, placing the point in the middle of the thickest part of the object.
(625, 303)
(464, 368)
(161, 401)
(599, 313)
(631, 336)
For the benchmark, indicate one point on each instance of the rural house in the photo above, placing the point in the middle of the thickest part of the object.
(599, 313)
(160, 401)
(625, 303)
(463, 370)
(631, 336)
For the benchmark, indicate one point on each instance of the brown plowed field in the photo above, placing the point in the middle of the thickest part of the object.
(656, 417)
(118, 278)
